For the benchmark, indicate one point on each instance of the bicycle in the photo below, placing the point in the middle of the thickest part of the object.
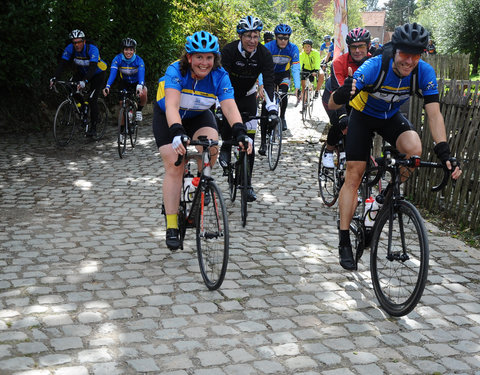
(274, 135)
(204, 210)
(127, 124)
(399, 257)
(308, 100)
(74, 114)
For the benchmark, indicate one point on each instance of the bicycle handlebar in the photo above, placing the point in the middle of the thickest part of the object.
(201, 141)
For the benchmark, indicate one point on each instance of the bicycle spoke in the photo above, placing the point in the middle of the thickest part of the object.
(274, 145)
(64, 123)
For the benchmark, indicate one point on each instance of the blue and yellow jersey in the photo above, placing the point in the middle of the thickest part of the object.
(83, 58)
(393, 92)
(286, 59)
(131, 71)
(196, 96)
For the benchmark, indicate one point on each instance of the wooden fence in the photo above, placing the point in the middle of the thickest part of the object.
(460, 106)
(450, 66)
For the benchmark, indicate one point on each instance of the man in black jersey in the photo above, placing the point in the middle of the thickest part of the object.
(244, 60)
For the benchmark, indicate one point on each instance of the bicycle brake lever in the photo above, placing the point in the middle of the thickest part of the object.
(180, 157)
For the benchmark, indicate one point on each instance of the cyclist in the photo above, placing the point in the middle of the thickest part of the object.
(326, 49)
(244, 60)
(379, 111)
(268, 36)
(132, 73)
(285, 58)
(89, 69)
(185, 94)
(310, 64)
(358, 42)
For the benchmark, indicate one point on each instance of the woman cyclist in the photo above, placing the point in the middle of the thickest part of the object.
(185, 94)
(132, 73)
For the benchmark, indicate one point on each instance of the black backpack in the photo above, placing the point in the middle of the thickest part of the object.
(387, 53)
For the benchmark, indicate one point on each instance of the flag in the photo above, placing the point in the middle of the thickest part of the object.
(341, 28)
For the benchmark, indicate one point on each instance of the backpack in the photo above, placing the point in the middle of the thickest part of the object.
(387, 53)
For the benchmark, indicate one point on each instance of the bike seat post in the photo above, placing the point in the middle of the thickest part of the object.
(207, 168)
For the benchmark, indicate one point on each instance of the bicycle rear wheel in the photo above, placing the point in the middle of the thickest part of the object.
(64, 123)
(399, 275)
(243, 186)
(102, 119)
(122, 133)
(327, 180)
(212, 236)
(274, 145)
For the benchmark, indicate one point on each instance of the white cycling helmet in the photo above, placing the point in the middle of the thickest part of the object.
(77, 34)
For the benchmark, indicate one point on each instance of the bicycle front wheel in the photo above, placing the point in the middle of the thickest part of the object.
(212, 236)
(122, 133)
(133, 128)
(64, 123)
(310, 104)
(243, 185)
(102, 119)
(274, 145)
(399, 258)
(327, 180)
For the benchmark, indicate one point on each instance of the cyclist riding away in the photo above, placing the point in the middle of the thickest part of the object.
(132, 73)
(185, 94)
(89, 69)
(358, 42)
(268, 36)
(244, 60)
(378, 111)
(310, 65)
(285, 58)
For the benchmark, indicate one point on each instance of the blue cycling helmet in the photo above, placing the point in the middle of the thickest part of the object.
(283, 28)
(249, 23)
(202, 42)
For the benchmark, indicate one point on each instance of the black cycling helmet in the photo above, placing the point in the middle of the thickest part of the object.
(268, 36)
(129, 43)
(410, 38)
(307, 41)
(358, 35)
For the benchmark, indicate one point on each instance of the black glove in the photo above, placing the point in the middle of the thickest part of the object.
(342, 94)
(176, 129)
(273, 117)
(442, 150)
(343, 122)
(239, 131)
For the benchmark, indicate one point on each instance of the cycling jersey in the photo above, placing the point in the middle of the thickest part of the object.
(394, 90)
(83, 58)
(310, 61)
(286, 59)
(131, 71)
(324, 47)
(244, 71)
(196, 96)
(340, 69)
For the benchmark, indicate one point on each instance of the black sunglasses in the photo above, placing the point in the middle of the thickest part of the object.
(283, 37)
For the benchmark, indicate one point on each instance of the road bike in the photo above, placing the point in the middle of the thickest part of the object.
(308, 97)
(73, 114)
(127, 123)
(274, 134)
(399, 257)
(204, 209)
(330, 180)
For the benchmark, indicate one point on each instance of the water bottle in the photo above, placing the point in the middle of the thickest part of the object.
(367, 217)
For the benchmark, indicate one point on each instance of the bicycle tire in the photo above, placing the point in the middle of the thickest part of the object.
(399, 283)
(305, 103)
(102, 120)
(274, 145)
(232, 185)
(64, 123)
(133, 127)
(327, 180)
(310, 104)
(212, 236)
(243, 184)
(122, 133)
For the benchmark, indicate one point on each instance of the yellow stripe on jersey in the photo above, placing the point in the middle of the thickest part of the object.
(161, 90)
(102, 65)
(199, 93)
(359, 101)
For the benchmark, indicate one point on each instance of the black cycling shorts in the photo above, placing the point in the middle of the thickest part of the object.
(205, 119)
(305, 73)
(361, 130)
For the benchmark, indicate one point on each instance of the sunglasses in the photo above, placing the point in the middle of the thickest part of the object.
(405, 56)
(362, 47)
(283, 37)
(77, 42)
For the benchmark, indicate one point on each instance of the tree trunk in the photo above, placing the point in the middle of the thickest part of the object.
(475, 58)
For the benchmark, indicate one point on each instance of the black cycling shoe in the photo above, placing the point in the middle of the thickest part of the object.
(172, 239)
(251, 196)
(262, 150)
(315, 96)
(284, 124)
(346, 258)
(224, 158)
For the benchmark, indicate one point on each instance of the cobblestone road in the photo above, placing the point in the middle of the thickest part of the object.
(87, 285)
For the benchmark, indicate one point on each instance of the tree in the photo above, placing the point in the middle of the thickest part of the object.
(398, 12)
(371, 5)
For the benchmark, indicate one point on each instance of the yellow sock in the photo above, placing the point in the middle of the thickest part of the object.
(172, 221)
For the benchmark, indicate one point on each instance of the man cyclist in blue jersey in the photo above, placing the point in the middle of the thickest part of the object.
(244, 60)
(326, 49)
(89, 69)
(378, 111)
(190, 87)
(132, 73)
(286, 58)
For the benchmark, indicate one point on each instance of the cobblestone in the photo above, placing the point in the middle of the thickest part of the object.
(87, 285)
